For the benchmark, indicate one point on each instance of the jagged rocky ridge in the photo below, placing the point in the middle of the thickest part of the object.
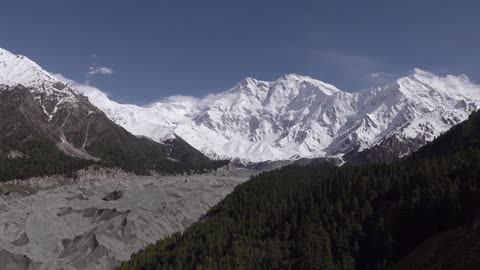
(48, 127)
(300, 117)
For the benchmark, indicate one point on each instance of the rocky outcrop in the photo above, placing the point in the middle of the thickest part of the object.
(12, 261)
(21, 240)
(113, 196)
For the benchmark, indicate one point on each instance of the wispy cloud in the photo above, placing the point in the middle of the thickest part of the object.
(95, 70)
(380, 78)
(358, 69)
(375, 75)
(343, 59)
(180, 99)
(86, 89)
(96, 95)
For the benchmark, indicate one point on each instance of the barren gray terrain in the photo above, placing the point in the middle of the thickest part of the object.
(96, 224)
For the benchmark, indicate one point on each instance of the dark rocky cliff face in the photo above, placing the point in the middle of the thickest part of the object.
(21, 120)
(389, 150)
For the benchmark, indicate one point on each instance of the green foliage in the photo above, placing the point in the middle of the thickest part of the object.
(44, 158)
(141, 156)
(354, 217)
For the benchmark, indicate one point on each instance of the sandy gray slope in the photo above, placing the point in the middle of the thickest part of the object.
(97, 224)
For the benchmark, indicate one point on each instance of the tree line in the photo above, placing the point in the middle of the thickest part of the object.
(354, 217)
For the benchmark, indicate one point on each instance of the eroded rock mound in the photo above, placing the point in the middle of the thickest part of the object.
(21, 240)
(12, 261)
(113, 196)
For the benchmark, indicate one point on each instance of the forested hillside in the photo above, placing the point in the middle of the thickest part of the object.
(354, 217)
(33, 143)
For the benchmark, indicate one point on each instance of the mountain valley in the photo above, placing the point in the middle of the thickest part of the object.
(89, 182)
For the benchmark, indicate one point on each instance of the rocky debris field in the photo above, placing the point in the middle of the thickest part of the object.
(97, 224)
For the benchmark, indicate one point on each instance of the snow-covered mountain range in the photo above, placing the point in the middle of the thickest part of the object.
(290, 118)
(300, 117)
(41, 114)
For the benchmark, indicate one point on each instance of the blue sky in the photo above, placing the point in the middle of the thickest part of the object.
(142, 51)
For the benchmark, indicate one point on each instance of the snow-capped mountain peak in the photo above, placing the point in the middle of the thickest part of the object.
(298, 116)
(18, 69)
(49, 91)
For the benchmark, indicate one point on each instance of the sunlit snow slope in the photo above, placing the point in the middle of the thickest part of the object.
(297, 116)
